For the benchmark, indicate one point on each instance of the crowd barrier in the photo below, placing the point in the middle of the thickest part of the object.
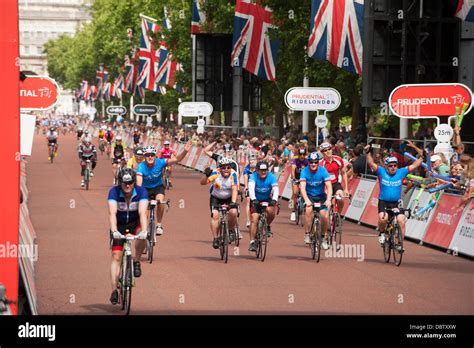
(27, 248)
(442, 226)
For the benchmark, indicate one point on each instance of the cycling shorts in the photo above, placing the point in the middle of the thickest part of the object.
(133, 227)
(155, 191)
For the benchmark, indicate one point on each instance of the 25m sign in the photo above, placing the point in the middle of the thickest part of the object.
(38, 93)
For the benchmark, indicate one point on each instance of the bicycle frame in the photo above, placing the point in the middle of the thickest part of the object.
(126, 276)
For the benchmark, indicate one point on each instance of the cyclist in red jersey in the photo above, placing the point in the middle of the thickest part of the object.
(337, 172)
(167, 152)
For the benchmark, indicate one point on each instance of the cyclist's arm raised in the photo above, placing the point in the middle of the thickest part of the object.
(208, 149)
(415, 164)
(370, 159)
(183, 153)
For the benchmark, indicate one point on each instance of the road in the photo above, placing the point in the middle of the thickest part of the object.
(188, 276)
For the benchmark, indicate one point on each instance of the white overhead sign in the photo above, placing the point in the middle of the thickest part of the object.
(321, 121)
(195, 109)
(443, 133)
(312, 98)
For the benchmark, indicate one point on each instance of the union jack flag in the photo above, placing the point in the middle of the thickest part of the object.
(336, 32)
(106, 91)
(198, 16)
(116, 90)
(148, 59)
(84, 90)
(92, 93)
(252, 47)
(99, 77)
(129, 69)
(465, 10)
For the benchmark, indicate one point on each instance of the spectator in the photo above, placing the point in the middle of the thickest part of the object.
(438, 165)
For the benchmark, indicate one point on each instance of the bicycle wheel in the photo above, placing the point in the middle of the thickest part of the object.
(87, 178)
(151, 236)
(297, 213)
(316, 242)
(301, 213)
(128, 285)
(237, 234)
(225, 241)
(258, 239)
(123, 283)
(387, 248)
(397, 242)
(51, 154)
(338, 231)
(263, 242)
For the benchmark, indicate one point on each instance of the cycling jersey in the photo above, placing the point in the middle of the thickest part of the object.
(222, 187)
(132, 163)
(166, 152)
(247, 170)
(263, 188)
(391, 185)
(315, 181)
(333, 167)
(109, 136)
(101, 134)
(51, 136)
(127, 212)
(152, 177)
(299, 165)
(87, 151)
(118, 150)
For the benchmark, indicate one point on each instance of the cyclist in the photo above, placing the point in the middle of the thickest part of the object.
(223, 190)
(390, 181)
(101, 133)
(248, 171)
(228, 153)
(87, 151)
(136, 159)
(297, 165)
(118, 154)
(337, 171)
(52, 138)
(79, 133)
(263, 187)
(167, 152)
(109, 135)
(314, 180)
(136, 137)
(128, 206)
(150, 175)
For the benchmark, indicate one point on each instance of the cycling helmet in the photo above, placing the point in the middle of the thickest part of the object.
(103, 127)
(325, 146)
(314, 156)
(227, 147)
(87, 140)
(52, 129)
(109, 129)
(149, 150)
(166, 142)
(127, 175)
(262, 165)
(80, 129)
(223, 161)
(302, 151)
(139, 151)
(390, 159)
(118, 138)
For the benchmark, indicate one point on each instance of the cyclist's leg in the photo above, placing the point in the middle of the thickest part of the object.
(253, 224)
(383, 217)
(213, 203)
(308, 217)
(324, 213)
(294, 197)
(270, 215)
(117, 250)
(337, 189)
(140, 244)
(401, 218)
(247, 209)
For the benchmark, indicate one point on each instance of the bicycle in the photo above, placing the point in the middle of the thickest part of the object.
(126, 277)
(393, 236)
(101, 146)
(87, 174)
(52, 148)
(224, 236)
(263, 234)
(151, 237)
(315, 234)
(335, 222)
(299, 211)
(166, 178)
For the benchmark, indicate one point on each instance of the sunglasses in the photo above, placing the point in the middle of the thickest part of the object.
(149, 155)
(323, 151)
(128, 183)
(225, 167)
(314, 162)
(392, 166)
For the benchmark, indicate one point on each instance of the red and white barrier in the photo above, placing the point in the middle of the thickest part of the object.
(417, 225)
(360, 198)
(463, 238)
(371, 211)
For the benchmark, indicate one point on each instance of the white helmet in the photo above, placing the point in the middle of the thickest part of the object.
(224, 161)
(166, 142)
(118, 138)
(87, 140)
(149, 149)
(103, 127)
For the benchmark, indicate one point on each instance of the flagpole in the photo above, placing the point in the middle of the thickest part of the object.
(131, 108)
(103, 107)
(149, 18)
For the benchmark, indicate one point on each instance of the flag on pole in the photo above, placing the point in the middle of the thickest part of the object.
(252, 47)
(336, 33)
(465, 10)
(99, 77)
(198, 16)
(118, 85)
(147, 54)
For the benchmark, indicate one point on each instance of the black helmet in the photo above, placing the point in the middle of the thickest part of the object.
(139, 151)
(227, 147)
(127, 175)
(262, 165)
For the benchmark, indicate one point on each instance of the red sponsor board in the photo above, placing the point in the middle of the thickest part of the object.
(425, 100)
(352, 188)
(444, 222)
(196, 157)
(283, 177)
(371, 212)
(38, 93)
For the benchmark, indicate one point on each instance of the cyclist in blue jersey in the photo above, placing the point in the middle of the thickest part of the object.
(128, 206)
(248, 171)
(390, 181)
(150, 176)
(314, 179)
(263, 187)
(297, 165)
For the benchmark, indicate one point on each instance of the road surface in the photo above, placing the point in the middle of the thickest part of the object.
(188, 276)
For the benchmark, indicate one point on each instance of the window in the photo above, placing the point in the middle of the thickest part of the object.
(27, 49)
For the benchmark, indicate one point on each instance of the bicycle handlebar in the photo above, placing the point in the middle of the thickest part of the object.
(392, 211)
